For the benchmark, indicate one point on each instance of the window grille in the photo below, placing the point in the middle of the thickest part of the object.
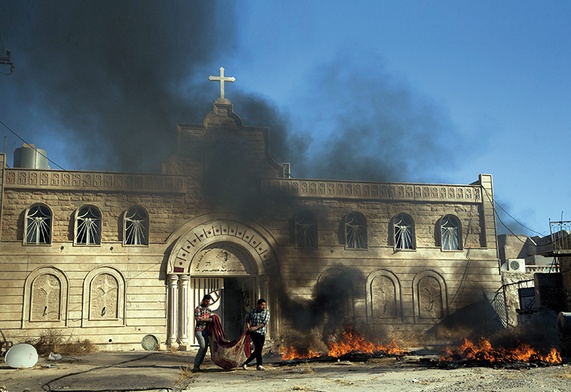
(136, 226)
(38, 225)
(356, 231)
(305, 231)
(450, 233)
(88, 226)
(404, 232)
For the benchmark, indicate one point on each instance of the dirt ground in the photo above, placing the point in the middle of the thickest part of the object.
(166, 371)
(382, 374)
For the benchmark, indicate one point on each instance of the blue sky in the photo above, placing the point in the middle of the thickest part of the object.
(415, 91)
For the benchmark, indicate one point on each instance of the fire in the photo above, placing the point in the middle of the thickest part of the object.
(483, 351)
(351, 341)
(291, 352)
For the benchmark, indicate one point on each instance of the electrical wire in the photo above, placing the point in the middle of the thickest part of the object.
(32, 146)
(125, 279)
(494, 204)
(3, 50)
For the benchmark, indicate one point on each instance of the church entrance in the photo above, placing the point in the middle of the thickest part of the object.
(232, 297)
(225, 259)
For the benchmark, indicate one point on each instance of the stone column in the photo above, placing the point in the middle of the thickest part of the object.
(264, 292)
(489, 216)
(183, 285)
(172, 319)
(263, 283)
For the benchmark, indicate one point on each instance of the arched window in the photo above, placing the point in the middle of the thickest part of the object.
(38, 225)
(450, 233)
(403, 228)
(305, 230)
(136, 226)
(356, 231)
(88, 226)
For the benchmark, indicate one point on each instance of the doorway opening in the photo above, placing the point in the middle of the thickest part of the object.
(233, 298)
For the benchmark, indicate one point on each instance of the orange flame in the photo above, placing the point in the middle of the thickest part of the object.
(483, 351)
(291, 352)
(350, 342)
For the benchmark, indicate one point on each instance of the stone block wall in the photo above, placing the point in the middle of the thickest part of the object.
(113, 297)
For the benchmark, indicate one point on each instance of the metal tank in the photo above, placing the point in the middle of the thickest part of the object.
(30, 157)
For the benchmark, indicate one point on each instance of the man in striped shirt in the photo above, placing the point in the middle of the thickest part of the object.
(256, 322)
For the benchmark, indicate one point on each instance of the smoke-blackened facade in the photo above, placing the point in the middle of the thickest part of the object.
(119, 257)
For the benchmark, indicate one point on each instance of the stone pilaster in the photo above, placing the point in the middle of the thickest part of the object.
(172, 319)
(183, 284)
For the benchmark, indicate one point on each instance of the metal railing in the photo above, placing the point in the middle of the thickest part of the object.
(546, 269)
(560, 236)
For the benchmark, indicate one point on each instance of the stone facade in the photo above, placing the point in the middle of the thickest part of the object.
(401, 260)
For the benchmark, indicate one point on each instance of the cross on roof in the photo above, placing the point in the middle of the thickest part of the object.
(221, 79)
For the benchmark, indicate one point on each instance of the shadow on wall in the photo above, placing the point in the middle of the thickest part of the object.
(472, 322)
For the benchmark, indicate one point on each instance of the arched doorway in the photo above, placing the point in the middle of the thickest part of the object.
(226, 272)
(233, 262)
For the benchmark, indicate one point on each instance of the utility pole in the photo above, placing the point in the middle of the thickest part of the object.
(5, 59)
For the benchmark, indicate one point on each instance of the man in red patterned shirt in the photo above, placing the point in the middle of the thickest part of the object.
(202, 316)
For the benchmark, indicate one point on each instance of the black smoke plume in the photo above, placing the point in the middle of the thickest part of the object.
(110, 79)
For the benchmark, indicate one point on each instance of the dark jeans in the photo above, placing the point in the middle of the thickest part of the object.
(258, 341)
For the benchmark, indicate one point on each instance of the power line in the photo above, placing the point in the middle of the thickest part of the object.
(32, 146)
(122, 274)
(494, 204)
(5, 59)
(515, 220)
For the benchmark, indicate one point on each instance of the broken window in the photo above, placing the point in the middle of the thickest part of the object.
(305, 230)
(136, 226)
(88, 226)
(38, 225)
(404, 232)
(356, 231)
(450, 233)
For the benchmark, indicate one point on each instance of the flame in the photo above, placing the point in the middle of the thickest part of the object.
(291, 352)
(351, 341)
(483, 351)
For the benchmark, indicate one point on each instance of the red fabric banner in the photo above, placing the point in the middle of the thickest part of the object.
(227, 353)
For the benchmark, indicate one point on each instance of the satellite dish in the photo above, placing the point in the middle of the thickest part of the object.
(21, 355)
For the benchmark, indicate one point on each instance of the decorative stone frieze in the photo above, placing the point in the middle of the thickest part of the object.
(372, 191)
(94, 181)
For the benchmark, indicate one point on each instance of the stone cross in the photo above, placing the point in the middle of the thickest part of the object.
(221, 79)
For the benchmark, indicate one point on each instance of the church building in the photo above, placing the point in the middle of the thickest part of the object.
(123, 259)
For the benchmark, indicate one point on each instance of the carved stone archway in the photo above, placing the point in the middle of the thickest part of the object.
(214, 249)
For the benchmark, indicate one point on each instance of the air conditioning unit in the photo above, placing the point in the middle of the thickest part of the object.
(516, 265)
